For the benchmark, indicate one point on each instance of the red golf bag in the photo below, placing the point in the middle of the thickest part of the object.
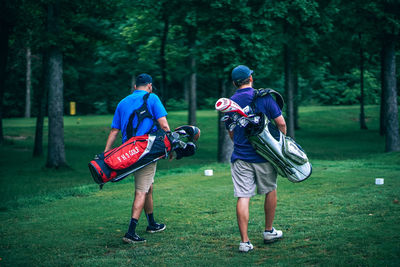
(139, 151)
(132, 155)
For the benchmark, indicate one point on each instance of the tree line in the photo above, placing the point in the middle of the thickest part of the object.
(314, 52)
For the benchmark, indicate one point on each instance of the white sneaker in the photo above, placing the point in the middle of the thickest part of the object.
(245, 246)
(272, 237)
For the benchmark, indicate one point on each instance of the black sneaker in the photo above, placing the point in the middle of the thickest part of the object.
(156, 227)
(133, 239)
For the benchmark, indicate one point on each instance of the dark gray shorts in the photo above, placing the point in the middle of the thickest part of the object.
(247, 176)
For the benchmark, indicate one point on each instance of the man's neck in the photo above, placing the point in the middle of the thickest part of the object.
(245, 86)
(143, 88)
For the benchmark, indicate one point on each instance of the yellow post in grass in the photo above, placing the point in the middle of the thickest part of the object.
(72, 108)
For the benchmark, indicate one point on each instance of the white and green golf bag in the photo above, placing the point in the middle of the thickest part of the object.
(288, 158)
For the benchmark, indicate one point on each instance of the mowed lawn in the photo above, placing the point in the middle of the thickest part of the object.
(336, 217)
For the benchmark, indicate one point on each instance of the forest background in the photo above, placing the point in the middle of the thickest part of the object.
(327, 52)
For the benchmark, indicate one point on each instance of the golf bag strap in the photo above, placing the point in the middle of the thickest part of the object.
(141, 113)
(265, 91)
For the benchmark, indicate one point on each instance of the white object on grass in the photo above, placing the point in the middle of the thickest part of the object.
(208, 173)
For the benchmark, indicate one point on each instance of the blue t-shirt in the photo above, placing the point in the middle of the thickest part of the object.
(132, 102)
(242, 148)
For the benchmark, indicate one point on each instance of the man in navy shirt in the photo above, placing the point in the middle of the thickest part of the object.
(250, 170)
(144, 178)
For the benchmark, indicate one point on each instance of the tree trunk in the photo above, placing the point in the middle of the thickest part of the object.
(390, 93)
(28, 83)
(41, 93)
(186, 88)
(192, 92)
(54, 80)
(193, 78)
(382, 109)
(163, 65)
(363, 124)
(225, 144)
(56, 153)
(5, 28)
(289, 90)
(296, 97)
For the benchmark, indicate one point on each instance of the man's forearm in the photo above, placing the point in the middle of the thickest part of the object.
(164, 124)
(281, 124)
(111, 139)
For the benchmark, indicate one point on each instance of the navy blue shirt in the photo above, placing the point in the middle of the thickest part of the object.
(242, 148)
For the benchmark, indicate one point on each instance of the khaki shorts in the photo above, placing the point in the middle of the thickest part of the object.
(246, 176)
(144, 177)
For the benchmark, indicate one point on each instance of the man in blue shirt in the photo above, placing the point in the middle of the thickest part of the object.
(144, 178)
(250, 170)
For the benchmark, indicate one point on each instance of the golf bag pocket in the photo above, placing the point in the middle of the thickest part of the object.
(101, 173)
(293, 151)
(129, 152)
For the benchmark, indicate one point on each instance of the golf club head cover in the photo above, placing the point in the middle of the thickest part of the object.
(189, 131)
(227, 105)
(186, 151)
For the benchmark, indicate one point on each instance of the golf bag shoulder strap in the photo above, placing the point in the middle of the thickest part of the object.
(265, 91)
(141, 113)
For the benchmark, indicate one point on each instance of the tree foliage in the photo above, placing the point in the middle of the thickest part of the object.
(105, 44)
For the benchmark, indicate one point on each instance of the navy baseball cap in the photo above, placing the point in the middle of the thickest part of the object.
(241, 73)
(143, 79)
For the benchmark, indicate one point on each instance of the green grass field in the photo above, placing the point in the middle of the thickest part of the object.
(336, 217)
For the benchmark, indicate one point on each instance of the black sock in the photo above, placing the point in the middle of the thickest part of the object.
(150, 219)
(132, 226)
(270, 231)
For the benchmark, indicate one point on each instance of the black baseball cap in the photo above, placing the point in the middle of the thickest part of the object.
(143, 79)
